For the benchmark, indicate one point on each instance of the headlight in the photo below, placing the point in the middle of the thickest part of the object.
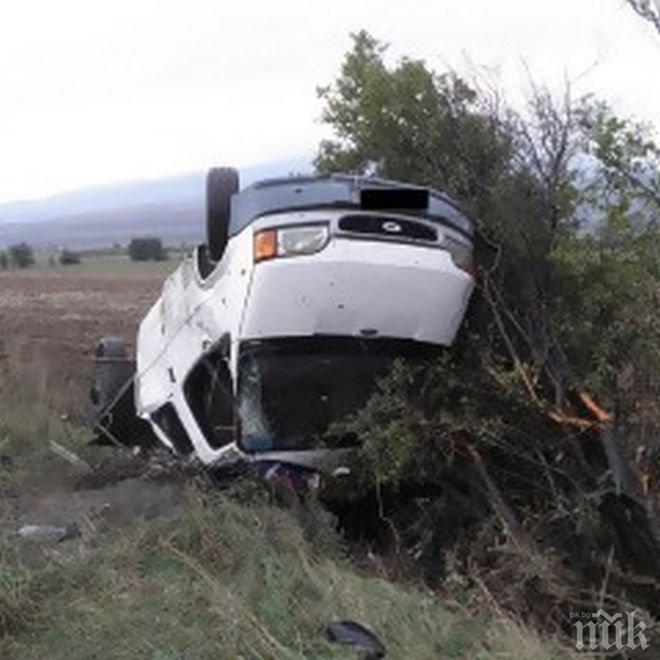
(289, 241)
(461, 254)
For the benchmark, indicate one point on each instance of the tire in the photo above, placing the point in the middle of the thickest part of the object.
(221, 184)
(113, 368)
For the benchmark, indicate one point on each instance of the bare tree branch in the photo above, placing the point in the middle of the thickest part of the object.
(648, 10)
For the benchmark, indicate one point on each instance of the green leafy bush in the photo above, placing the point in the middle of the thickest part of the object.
(21, 255)
(540, 427)
(146, 249)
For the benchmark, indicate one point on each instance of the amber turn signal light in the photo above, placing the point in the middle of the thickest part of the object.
(265, 245)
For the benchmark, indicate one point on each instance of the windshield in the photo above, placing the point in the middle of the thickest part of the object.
(291, 391)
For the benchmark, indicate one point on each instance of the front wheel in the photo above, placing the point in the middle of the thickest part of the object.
(221, 184)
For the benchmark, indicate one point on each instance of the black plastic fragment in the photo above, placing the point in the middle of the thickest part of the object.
(356, 635)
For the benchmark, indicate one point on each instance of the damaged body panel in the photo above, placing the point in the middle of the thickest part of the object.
(317, 286)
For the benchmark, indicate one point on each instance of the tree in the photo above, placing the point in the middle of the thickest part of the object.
(146, 249)
(523, 176)
(21, 255)
(545, 411)
(4, 261)
(647, 9)
(390, 123)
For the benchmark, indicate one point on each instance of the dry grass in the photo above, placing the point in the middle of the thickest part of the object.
(197, 585)
(226, 575)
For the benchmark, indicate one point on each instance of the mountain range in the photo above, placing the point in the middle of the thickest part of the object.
(170, 208)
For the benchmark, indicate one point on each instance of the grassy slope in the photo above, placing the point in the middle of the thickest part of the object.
(221, 576)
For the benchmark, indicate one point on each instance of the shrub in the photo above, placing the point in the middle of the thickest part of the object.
(21, 255)
(69, 257)
(146, 249)
(541, 425)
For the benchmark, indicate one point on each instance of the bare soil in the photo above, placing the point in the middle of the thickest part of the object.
(116, 503)
(52, 318)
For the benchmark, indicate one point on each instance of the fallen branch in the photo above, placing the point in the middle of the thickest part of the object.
(599, 413)
(502, 509)
(68, 456)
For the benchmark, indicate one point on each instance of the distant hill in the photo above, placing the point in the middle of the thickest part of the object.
(172, 209)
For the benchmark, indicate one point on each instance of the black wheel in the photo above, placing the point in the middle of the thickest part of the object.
(221, 184)
(112, 369)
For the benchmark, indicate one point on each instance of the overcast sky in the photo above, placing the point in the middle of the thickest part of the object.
(94, 92)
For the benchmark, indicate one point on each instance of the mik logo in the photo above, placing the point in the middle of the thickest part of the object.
(600, 631)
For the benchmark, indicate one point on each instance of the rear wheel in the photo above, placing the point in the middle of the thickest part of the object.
(112, 369)
(221, 184)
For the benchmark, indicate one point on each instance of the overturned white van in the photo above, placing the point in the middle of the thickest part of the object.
(282, 323)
